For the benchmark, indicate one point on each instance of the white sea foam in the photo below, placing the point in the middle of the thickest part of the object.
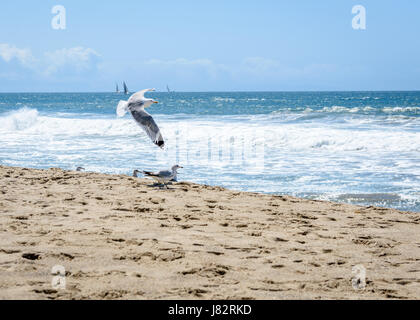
(291, 136)
(220, 99)
(18, 120)
(415, 110)
(343, 109)
(331, 158)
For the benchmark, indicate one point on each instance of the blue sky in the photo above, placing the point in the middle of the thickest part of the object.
(227, 45)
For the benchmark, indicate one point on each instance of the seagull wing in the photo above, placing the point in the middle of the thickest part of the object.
(139, 95)
(149, 125)
(164, 173)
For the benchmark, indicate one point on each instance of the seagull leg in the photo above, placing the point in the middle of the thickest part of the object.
(161, 184)
(166, 184)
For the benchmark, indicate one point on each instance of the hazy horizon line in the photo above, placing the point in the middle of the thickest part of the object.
(218, 91)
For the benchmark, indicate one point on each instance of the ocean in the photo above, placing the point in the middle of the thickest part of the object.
(353, 147)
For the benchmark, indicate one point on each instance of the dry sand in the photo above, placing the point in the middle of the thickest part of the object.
(120, 238)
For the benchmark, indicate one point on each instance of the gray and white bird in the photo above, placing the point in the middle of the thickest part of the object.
(164, 176)
(136, 105)
(136, 175)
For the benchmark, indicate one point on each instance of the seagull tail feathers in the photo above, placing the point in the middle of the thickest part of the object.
(148, 173)
(122, 108)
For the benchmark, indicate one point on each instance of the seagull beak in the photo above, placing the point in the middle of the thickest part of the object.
(155, 102)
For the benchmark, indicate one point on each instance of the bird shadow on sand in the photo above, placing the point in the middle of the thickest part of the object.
(160, 186)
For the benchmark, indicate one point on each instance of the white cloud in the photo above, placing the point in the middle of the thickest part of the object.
(76, 62)
(260, 64)
(68, 60)
(79, 58)
(9, 52)
(180, 62)
(186, 68)
(276, 69)
(247, 67)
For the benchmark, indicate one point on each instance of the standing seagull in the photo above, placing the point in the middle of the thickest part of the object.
(136, 175)
(136, 105)
(164, 176)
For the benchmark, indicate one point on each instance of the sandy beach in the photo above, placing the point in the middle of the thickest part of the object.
(118, 237)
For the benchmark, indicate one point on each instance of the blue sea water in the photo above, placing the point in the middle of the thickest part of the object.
(354, 147)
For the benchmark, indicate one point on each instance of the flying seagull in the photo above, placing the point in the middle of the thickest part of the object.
(136, 105)
(164, 176)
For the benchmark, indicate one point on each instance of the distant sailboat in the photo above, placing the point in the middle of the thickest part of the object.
(117, 90)
(125, 88)
(167, 88)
